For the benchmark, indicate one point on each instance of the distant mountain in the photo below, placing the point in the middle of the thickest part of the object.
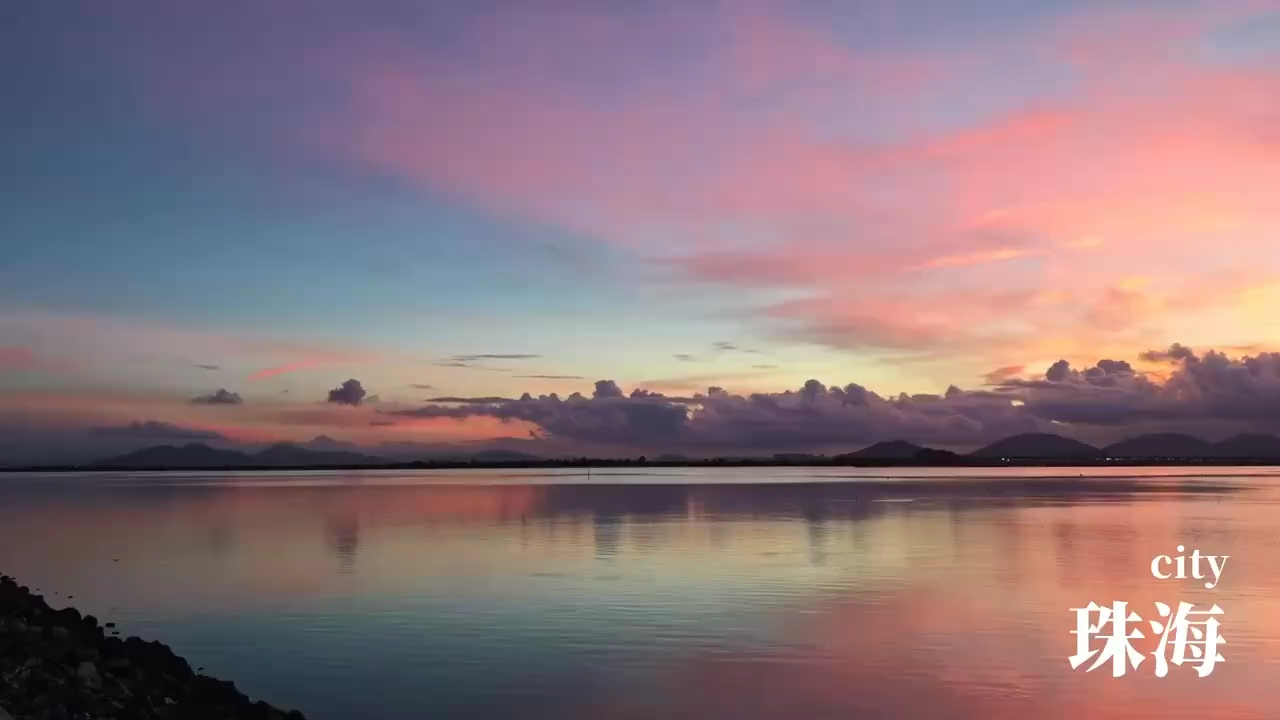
(1039, 446)
(888, 450)
(324, 443)
(290, 455)
(197, 455)
(191, 455)
(503, 456)
(793, 458)
(1249, 445)
(1031, 447)
(930, 456)
(1161, 445)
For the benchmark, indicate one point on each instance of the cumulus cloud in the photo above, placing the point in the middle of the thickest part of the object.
(1058, 371)
(221, 397)
(157, 430)
(1201, 393)
(813, 415)
(607, 389)
(1207, 395)
(350, 392)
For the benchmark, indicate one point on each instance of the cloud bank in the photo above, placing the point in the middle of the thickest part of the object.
(1210, 394)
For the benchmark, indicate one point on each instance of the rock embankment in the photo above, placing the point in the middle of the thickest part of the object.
(57, 665)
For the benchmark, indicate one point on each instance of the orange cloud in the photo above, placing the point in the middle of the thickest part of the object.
(979, 258)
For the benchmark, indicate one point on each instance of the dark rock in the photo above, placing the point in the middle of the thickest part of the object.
(55, 664)
(87, 674)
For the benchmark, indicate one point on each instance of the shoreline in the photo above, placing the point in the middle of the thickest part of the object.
(57, 664)
(605, 464)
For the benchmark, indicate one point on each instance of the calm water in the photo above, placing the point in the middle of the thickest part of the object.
(745, 594)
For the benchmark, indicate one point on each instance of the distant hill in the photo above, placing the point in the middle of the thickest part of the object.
(888, 450)
(1249, 445)
(198, 455)
(1030, 448)
(930, 456)
(290, 455)
(1176, 446)
(1161, 445)
(1039, 446)
(324, 443)
(503, 456)
(191, 455)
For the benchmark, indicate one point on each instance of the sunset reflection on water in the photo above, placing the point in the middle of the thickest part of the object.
(396, 597)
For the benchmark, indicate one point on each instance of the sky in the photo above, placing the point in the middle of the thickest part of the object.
(727, 225)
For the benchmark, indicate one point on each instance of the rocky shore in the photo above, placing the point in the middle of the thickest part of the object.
(57, 665)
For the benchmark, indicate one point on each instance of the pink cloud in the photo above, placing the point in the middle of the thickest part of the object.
(286, 368)
(515, 131)
(17, 358)
(750, 165)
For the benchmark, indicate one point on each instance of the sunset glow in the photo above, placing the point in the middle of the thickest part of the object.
(676, 197)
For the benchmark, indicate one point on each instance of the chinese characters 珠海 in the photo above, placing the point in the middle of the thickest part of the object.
(1183, 635)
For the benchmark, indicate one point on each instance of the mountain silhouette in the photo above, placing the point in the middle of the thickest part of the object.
(1161, 445)
(930, 456)
(1039, 446)
(199, 455)
(289, 454)
(1030, 448)
(191, 455)
(503, 456)
(887, 450)
(1249, 445)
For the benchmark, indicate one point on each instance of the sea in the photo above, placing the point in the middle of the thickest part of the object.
(751, 594)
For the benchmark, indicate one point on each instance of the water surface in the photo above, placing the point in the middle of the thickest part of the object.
(747, 593)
